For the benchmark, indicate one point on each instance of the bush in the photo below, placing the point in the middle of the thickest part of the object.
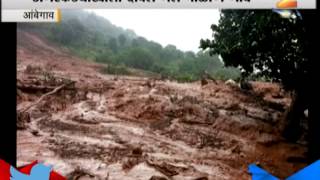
(116, 70)
(107, 57)
(227, 73)
(185, 78)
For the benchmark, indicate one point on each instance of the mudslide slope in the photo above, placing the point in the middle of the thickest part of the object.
(98, 126)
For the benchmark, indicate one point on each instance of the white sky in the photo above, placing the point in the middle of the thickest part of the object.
(181, 27)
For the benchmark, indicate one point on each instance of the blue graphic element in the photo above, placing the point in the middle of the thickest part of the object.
(260, 174)
(311, 172)
(38, 172)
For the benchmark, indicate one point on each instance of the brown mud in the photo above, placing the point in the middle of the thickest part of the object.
(131, 128)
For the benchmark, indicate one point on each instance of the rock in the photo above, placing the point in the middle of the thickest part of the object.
(51, 134)
(23, 118)
(102, 166)
(258, 113)
(277, 96)
(137, 151)
(129, 163)
(201, 178)
(165, 168)
(101, 110)
(245, 85)
(35, 132)
(158, 178)
(236, 149)
(231, 82)
(204, 82)
(79, 173)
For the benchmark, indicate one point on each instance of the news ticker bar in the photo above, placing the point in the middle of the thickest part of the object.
(18, 10)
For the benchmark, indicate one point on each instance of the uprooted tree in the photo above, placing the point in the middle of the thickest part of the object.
(275, 45)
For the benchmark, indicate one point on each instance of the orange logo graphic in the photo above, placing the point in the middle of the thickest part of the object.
(287, 4)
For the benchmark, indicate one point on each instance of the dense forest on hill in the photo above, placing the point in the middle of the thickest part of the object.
(96, 39)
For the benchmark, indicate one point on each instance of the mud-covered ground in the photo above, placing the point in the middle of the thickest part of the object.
(130, 128)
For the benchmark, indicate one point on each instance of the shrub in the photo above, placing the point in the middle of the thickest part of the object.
(116, 70)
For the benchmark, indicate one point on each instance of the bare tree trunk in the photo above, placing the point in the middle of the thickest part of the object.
(314, 136)
(293, 129)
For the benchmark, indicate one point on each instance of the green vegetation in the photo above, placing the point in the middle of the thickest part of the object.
(278, 48)
(264, 42)
(116, 70)
(94, 38)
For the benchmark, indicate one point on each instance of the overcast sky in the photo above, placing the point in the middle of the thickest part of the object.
(181, 27)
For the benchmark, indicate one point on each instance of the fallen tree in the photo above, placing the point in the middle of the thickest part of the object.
(55, 90)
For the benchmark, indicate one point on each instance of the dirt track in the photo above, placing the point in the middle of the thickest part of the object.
(135, 128)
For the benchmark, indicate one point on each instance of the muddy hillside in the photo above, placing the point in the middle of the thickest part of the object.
(90, 125)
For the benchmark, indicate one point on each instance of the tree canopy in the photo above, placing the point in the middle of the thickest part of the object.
(263, 43)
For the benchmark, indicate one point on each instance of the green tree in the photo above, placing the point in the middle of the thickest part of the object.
(106, 57)
(70, 32)
(122, 40)
(139, 58)
(279, 48)
(113, 44)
